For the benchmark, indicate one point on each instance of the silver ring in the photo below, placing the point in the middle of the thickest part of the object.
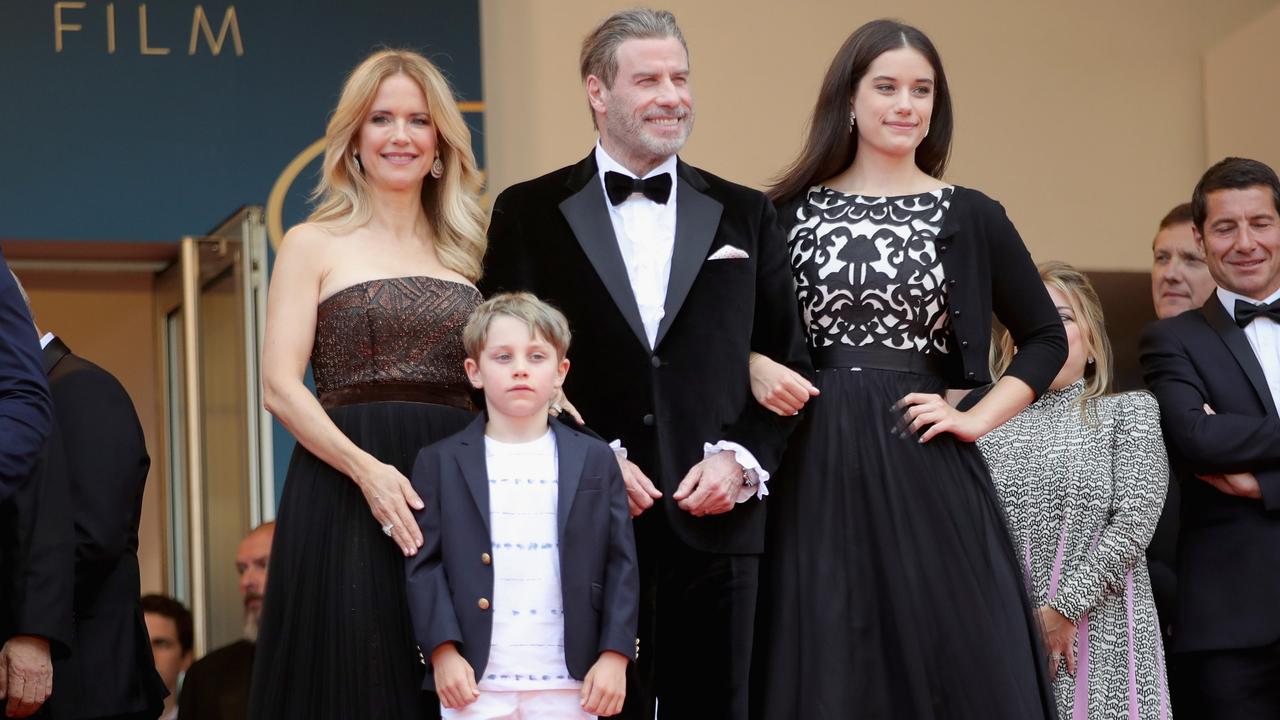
(556, 409)
(386, 529)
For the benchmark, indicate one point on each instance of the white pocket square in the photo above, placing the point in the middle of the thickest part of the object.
(729, 252)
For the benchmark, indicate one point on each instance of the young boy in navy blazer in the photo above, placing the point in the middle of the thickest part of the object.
(525, 594)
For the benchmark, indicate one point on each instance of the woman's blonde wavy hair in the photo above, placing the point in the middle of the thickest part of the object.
(1087, 309)
(451, 202)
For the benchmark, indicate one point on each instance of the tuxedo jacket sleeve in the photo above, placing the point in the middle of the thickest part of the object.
(1228, 441)
(26, 411)
(38, 557)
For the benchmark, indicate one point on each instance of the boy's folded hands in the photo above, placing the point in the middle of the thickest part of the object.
(605, 686)
(455, 678)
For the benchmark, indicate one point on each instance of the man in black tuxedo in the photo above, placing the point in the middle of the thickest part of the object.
(669, 282)
(1216, 373)
(26, 411)
(217, 685)
(110, 672)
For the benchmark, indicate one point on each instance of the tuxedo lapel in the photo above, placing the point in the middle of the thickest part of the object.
(471, 461)
(588, 217)
(697, 218)
(570, 456)
(53, 354)
(1238, 343)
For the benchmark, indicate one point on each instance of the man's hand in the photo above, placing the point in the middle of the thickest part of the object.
(26, 675)
(711, 487)
(455, 680)
(605, 686)
(1243, 485)
(640, 491)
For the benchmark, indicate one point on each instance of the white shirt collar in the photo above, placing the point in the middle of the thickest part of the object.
(45, 340)
(605, 163)
(1228, 299)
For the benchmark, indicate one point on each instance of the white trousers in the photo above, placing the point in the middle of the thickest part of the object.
(525, 705)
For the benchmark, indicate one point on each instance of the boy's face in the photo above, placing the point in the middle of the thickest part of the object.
(518, 372)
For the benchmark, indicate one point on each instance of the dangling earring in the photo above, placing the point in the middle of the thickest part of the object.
(853, 120)
(437, 168)
(355, 155)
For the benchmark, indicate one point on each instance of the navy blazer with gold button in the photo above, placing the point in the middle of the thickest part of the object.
(450, 581)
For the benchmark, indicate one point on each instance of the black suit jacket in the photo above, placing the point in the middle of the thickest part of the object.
(111, 670)
(37, 555)
(26, 412)
(217, 685)
(552, 236)
(1229, 549)
(448, 577)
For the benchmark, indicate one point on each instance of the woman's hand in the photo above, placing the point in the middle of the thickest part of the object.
(921, 409)
(390, 496)
(560, 404)
(455, 678)
(1059, 639)
(778, 387)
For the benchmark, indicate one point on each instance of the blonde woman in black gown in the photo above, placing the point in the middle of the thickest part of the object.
(373, 290)
(892, 587)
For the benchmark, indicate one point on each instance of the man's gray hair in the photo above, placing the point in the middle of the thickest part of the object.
(600, 48)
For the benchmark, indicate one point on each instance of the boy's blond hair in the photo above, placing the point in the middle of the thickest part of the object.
(542, 319)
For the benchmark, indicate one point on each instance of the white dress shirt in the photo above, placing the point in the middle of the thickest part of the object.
(1264, 338)
(646, 235)
(45, 340)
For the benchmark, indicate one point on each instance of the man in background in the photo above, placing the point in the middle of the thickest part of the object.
(170, 627)
(1180, 281)
(217, 685)
(110, 672)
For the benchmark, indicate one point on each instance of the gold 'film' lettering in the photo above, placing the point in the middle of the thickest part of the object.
(200, 24)
(59, 26)
(142, 35)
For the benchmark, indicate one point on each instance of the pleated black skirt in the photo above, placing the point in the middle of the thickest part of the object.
(336, 641)
(890, 585)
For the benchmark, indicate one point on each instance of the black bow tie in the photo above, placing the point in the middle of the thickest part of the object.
(620, 187)
(1247, 311)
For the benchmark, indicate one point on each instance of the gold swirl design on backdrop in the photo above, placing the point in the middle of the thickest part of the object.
(275, 200)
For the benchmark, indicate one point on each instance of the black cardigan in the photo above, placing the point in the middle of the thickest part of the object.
(987, 268)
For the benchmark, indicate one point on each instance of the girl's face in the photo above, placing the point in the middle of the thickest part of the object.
(893, 103)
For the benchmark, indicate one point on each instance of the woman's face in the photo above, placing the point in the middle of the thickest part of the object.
(893, 103)
(1077, 342)
(397, 141)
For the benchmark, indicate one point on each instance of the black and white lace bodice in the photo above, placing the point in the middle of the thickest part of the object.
(867, 270)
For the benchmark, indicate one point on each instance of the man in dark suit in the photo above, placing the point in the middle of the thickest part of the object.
(217, 685)
(110, 672)
(1216, 373)
(26, 411)
(670, 282)
(36, 561)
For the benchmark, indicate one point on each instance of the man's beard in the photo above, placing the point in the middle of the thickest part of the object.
(252, 621)
(625, 126)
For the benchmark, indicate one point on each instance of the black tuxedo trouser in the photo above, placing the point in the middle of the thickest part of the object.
(697, 618)
(1228, 684)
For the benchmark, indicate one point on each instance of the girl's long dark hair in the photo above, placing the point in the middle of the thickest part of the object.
(830, 146)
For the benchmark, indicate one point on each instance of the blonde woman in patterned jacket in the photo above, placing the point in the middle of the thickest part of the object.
(1082, 476)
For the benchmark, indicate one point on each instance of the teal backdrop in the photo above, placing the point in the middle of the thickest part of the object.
(129, 121)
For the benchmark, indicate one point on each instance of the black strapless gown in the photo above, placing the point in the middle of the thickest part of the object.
(336, 639)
